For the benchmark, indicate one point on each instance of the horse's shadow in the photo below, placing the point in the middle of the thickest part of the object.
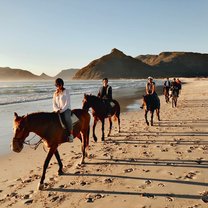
(144, 194)
(124, 177)
(147, 133)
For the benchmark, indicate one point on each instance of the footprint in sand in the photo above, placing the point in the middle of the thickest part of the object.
(191, 175)
(205, 197)
(128, 170)
(170, 199)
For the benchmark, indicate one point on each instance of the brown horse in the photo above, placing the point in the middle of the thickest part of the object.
(151, 104)
(166, 93)
(99, 112)
(174, 96)
(48, 127)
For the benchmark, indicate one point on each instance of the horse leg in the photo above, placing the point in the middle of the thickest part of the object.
(158, 113)
(60, 171)
(103, 129)
(172, 102)
(45, 166)
(119, 124)
(87, 142)
(152, 114)
(110, 121)
(145, 115)
(83, 147)
(93, 129)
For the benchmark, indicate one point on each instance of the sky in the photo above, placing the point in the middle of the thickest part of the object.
(47, 36)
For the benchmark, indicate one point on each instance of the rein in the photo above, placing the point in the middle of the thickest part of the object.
(33, 146)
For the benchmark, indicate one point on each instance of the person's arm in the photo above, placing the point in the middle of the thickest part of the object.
(110, 92)
(164, 84)
(99, 93)
(55, 106)
(147, 91)
(67, 104)
(153, 88)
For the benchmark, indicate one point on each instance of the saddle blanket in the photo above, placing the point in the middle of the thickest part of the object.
(74, 119)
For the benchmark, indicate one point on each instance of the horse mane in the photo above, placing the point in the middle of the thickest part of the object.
(94, 98)
(41, 115)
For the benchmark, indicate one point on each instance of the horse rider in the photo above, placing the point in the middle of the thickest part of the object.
(175, 86)
(167, 85)
(105, 93)
(62, 105)
(179, 85)
(150, 89)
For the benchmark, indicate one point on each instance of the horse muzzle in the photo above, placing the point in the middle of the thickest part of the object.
(16, 146)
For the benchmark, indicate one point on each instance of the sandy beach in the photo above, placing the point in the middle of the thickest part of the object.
(164, 165)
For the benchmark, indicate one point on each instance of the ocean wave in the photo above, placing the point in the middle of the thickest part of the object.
(15, 92)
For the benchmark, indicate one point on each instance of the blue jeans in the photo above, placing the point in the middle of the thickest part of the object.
(67, 118)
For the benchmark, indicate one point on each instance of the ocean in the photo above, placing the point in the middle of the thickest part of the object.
(33, 96)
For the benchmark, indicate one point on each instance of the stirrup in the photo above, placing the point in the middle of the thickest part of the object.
(71, 138)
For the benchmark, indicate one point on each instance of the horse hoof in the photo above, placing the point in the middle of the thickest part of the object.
(82, 162)
(60, 172)
(40, 186)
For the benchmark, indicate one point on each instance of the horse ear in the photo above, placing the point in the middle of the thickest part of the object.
(15, 114)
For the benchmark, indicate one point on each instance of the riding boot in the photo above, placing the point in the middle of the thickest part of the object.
(71, 138)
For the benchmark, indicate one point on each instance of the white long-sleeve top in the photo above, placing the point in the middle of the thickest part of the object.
(61, 101)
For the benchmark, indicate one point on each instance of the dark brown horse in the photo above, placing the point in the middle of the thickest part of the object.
(99, 112)
(166, 94)
(151, 104)
(174, 96)
(48, 127)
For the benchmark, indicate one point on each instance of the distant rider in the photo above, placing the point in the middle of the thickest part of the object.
(179, 85)
(150, 89)
(175, 87)
(167, 85)
(105, 93)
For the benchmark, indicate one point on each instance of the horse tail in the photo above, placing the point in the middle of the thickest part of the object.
(117, 110)
(114, 118)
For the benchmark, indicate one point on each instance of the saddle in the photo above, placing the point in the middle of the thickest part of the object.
(74, 119)
(108, 106)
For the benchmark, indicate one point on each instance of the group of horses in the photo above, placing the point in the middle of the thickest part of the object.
(48, 127)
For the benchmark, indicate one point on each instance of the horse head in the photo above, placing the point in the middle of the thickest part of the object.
(20, 133)
(85, 102)
(146, 101)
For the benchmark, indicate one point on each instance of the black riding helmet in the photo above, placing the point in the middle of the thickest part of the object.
(59, 82)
